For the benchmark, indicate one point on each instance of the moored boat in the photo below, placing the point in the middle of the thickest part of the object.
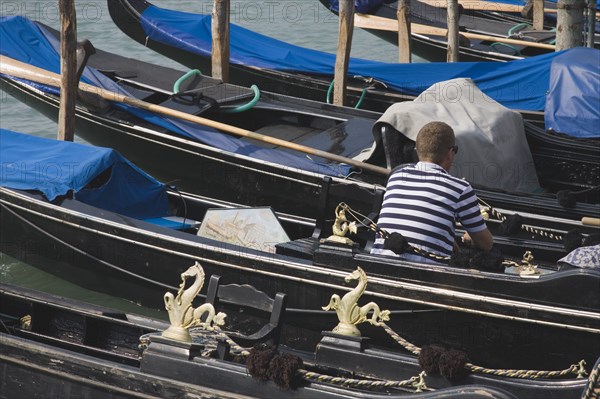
(98, 232)
(52, 344)
(253, 173)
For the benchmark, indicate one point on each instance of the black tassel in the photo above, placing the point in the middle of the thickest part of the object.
(258, 361)
(490, 261)
(452, 364)
(566, 198)
(396, 243)
(572, 240)
(283, 370)
(429, 358)
(511, 225)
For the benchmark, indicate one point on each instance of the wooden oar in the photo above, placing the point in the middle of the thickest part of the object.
(388, 24)
(482, 5)
(21, 70)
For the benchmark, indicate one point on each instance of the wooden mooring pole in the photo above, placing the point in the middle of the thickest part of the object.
(220, 40)
(343, 52)
(569, 24)
(592, 7)
(404, 40)
(453, 39)
(68, 68)
(538, 15)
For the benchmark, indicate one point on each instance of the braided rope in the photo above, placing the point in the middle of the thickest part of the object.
(577, 369)
(416, 382)
(413, 382)
(373, 226)
(592, 389)
(547, 233)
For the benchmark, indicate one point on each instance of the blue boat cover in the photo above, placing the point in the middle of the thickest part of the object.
(56, 168)
(28, 42)
(573, 105)
(519, 85)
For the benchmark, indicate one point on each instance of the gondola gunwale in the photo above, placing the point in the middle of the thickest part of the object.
(226, 255)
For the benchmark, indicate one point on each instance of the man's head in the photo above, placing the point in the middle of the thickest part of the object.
(436, 144)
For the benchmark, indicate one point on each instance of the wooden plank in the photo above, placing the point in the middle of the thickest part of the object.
(342, 58)
(68, 67)
(220, 40)
(480, 5)
(387, 24)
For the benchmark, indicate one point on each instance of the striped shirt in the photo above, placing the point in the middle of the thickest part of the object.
(423, 202)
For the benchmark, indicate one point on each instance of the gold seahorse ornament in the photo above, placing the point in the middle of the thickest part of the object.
(181, 313)
(349, 313)
(341, 227)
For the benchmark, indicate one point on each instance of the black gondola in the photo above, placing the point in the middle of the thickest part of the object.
(434, 48)
(246, 179)
(367, 90)
(53, 345)
(129, 245)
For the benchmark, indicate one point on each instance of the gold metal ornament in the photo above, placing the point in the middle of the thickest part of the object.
(349, 313)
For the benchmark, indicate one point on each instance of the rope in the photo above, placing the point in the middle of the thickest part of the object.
(547, 233)
(373, 227)
(416, 382)
(577, 369)
(413, 382)
(592, 389)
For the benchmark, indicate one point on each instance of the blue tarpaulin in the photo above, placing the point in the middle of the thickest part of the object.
(57, 168)
(519, 85)
(28, 42)
(573, 104)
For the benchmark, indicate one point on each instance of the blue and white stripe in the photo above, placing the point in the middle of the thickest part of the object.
(423, 202)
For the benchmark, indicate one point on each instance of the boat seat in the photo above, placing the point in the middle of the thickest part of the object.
(174, 222)
(249, 302)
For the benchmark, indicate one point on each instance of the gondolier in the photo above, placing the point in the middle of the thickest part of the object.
(422, 202)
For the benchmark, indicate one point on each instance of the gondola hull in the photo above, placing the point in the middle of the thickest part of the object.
(500, 317)
(56, 346)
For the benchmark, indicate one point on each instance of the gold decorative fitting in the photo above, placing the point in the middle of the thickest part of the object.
(347, 309)
(181, 313)
(529, 269)
(485, 212)
(341, 226)
(26, 322)
(419, 383)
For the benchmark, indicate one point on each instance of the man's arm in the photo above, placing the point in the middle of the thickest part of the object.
(482, 239)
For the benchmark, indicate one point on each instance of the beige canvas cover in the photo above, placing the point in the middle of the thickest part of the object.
(493, 149)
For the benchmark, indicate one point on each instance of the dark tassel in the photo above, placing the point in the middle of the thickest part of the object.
(429, 358)
(490, 261)
(462, 258)
(511, 225)
(452, 364)
(396, 243)
(258, 361)
(283, 370)
(566, 199)
(572, 240)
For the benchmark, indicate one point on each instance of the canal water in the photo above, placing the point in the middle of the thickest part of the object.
(305, 23)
